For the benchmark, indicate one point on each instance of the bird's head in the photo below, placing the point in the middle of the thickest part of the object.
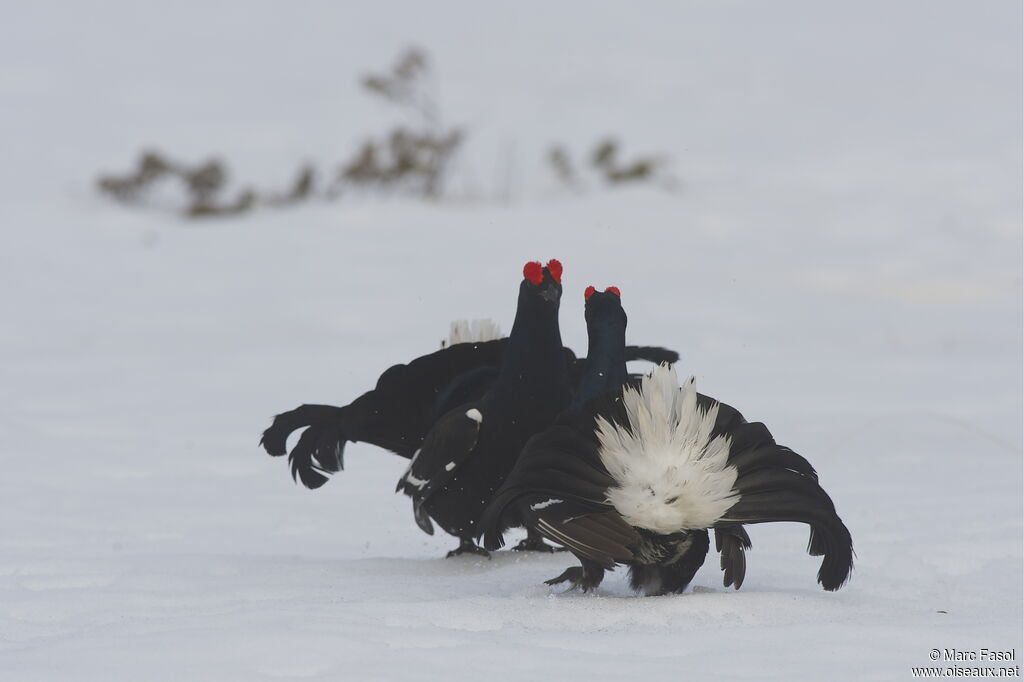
(543, 282)
(603, 308)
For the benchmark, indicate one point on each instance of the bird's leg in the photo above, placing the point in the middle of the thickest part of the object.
(534, 542)
(585, 577)
(468, 547)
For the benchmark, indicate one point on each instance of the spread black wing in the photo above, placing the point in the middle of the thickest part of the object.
(395, 415)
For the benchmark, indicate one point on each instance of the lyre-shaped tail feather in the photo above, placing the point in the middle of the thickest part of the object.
(319, 450)
(786, 494)
(655, 355)
(732, 542)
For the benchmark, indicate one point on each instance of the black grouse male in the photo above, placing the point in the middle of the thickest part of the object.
(637, 475)
(471, 449)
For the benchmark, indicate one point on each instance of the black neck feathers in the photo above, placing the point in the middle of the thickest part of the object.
(606, 347)
(534, 350)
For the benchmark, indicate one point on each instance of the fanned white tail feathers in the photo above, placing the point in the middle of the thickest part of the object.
(472, 331)
(671, 474)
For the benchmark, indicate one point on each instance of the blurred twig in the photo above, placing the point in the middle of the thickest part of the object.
(412, 158)
(204, 186)
(604, 161)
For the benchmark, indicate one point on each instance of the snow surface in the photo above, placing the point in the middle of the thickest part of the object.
(843, 262)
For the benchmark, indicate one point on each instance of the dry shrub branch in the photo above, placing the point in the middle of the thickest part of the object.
(412, 159)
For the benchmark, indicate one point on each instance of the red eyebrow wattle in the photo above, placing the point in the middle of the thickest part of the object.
(534, 272)
(555, 268)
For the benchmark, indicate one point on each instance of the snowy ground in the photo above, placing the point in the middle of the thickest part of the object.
(843, 262)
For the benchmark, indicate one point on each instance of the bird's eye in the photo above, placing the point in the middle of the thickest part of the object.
(672, 500)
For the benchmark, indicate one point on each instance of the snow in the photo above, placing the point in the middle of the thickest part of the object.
(842, 261)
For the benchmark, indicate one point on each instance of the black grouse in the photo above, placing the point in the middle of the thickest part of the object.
(606, 371)
(470, 450)
(637, 475)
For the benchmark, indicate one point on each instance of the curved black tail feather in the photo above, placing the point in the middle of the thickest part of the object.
(732, 542)
(653, 354)
(768, 495)
(319, 450)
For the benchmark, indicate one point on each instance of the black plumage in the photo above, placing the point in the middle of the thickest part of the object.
(467, 454)
(606, 344)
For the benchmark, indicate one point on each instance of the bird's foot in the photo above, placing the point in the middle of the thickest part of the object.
(468, 547)
(578, 578)
(531, 544)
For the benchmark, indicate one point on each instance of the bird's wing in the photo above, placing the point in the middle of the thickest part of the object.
(776, 484)
(602, 537)
(403, 406)
(468, 387)
(446, 447)
(558, 488)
